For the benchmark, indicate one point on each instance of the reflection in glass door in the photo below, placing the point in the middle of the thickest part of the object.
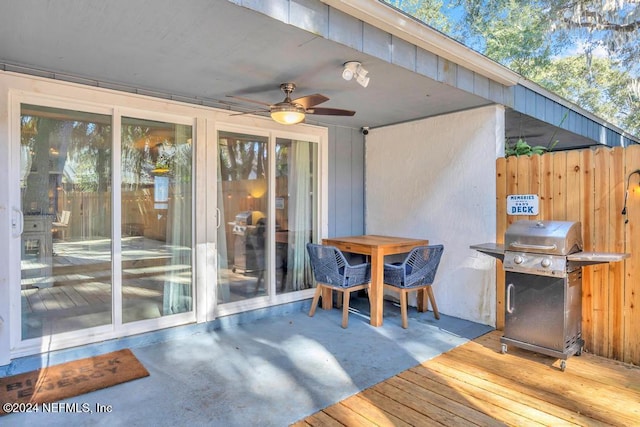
(68, 241)
(65, 187)
(242, 201)
(156, 218)
(245, 236)
(296, 211)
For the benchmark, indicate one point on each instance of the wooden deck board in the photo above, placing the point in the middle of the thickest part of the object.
(346, 414)
(398, 409)
(572, 389)
(509, 389)
(322, 419)
(475, 384)
(490, 399)
(62, 298)
(502, 397)
(75, 296)
(376, 415)
(424, 407)
(418, 389)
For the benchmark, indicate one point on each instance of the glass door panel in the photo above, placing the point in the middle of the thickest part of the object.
(65, 185)
(296, 212)
(156, 235)
(242, 201)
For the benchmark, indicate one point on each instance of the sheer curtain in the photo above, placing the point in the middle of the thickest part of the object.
(221, 242)
(178, 285)
(300, 210)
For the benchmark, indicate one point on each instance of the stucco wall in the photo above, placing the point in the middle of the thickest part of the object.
(435, 179)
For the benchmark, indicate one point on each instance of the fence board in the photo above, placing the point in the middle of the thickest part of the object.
(616, 244)
(511, 184)
(501, 226)
(546, 187)
(559, 186)
(586, 211)
(600, 301)
(587, 186)
(522, 185)
(631, 312)
(534, 174)
(574, 170)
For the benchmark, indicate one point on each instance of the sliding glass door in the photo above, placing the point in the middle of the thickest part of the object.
(268, 207)
(103, 208)
(156, 219)
(296, 210)
(243, 204)
(106, 239)
(65, 193)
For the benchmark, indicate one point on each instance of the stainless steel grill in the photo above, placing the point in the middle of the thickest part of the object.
(248, 229)
(543, 287)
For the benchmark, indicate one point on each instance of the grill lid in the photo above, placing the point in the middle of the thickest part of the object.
(547, 237)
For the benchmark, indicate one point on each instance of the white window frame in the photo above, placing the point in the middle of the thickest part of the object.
(17, 89)
(272, 131)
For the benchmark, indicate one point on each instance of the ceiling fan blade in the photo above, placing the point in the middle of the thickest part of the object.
(311, 100)
(330, 112)
(249, 112)
(266, 104)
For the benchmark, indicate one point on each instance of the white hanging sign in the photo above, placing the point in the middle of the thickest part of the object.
(522, 204)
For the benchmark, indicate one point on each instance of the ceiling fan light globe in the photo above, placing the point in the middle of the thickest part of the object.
(347, 74)
(287, 114)
(287, 117)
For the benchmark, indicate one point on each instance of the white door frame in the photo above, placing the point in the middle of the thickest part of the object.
(17, 88)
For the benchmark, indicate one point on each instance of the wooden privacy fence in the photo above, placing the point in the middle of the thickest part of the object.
(587, 186)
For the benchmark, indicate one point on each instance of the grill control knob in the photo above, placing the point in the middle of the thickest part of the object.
(518, 259)
(546, 262)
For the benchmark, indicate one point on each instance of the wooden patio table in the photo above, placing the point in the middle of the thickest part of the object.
(376, 247)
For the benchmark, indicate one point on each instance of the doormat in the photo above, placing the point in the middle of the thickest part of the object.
(21, 392)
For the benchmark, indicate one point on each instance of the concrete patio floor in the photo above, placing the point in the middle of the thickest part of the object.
(270, 368)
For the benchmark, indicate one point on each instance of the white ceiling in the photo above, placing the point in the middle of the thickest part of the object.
(208, 50)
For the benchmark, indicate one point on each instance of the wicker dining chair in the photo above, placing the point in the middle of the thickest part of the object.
(415, 273)
(331, 270)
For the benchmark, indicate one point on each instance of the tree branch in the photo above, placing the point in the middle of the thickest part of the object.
(601, 25)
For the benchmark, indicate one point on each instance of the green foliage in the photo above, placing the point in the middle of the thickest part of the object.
(432, 12)
(612, 26)
(522, 148)
(599, 87)
(584, 50)
(502, 28)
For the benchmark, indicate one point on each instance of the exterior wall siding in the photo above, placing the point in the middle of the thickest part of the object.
(536, 105)
(346, 182)
(327, 22)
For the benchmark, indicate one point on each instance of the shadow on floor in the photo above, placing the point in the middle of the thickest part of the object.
(271, 371)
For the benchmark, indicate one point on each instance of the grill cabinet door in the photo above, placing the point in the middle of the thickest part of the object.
(534, 312)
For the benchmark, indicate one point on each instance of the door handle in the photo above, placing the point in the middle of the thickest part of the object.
(17, 222)
(510, 290)
(218, 219)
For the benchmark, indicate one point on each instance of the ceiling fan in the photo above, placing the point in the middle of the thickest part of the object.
(292, 111)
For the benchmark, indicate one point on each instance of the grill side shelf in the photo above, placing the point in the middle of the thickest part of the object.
(583, 259)
(495, 250)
